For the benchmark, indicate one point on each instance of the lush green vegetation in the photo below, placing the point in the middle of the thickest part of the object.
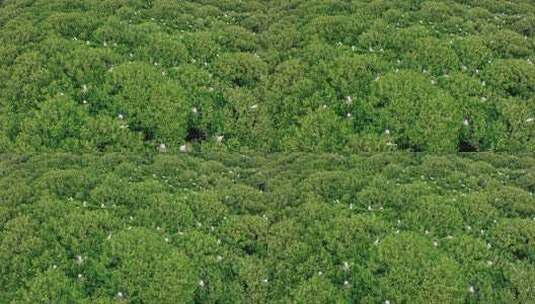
(119, 120)
(289, 228)
(292, 75)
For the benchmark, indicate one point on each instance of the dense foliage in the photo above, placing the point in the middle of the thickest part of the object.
(289, 228)
(292, 75)
(119, 120)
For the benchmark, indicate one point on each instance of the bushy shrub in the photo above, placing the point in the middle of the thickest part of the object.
(508, 44)
(472, 52)
(141, 273)
(512, 77)
(419, 116)
(240, 69)
(50, 286)
(413, 270)
(236, 39)
(517, 237)
(321, 130)
(435, 215)
(518, 115)
(333, 29)
(317, 290)
(57, 125)
(163, 49)
(434, 56)
(246, 233)
(522, 278)
(149, 103)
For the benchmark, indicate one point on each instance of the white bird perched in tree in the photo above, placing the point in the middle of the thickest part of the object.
(466, 123)
(387, 132)
(387, 302)
(471, 289)
(254, 106)
(194, 110)
(349, 100)
(120, 295)
(201, 283)
(346, 266)
(531, 119)
(219, 139)
(84, 88)
(162, 148)
(183, 148)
